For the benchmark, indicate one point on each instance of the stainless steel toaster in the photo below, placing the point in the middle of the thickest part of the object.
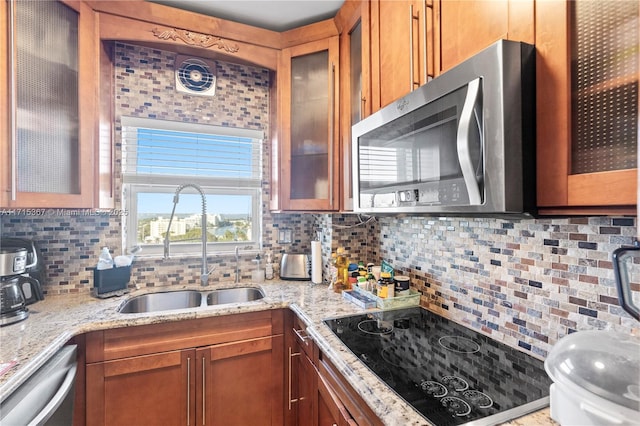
(295, 266)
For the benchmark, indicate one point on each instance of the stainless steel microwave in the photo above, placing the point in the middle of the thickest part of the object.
(463, 143)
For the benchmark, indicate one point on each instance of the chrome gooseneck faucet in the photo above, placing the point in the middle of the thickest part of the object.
(237, 265)
(204, 277)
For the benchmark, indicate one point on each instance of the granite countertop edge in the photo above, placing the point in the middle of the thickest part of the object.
(27, 345)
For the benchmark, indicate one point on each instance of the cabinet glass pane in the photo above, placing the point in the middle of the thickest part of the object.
(47, 134)
(309, 126)
(604, 85)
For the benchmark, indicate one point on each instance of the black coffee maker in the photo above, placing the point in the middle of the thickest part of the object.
(21, 278)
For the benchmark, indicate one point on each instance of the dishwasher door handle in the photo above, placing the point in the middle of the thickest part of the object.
(58, 398)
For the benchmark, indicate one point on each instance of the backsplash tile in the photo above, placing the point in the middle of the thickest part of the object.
(525, 282)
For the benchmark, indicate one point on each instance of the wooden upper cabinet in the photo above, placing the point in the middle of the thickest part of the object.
(308, 96)
(353, 21)
(49, 131)
(403, 39)
(587, 106)
(467, 27)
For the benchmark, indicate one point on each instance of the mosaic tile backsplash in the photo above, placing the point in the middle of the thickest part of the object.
(524, 282)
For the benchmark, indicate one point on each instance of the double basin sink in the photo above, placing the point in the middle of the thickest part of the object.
(184, 299)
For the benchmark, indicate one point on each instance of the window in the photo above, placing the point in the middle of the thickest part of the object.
(158, 156)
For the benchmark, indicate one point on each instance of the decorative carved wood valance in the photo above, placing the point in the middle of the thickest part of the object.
(195, 39)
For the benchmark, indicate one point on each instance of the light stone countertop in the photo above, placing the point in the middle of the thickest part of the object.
(55, 320)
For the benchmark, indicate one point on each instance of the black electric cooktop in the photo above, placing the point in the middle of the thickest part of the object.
(449, 373)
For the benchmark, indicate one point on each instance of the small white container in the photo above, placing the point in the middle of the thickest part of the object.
(375, 271)
(105, 261)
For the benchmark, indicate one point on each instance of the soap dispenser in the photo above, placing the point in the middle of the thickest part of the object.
(257, 275)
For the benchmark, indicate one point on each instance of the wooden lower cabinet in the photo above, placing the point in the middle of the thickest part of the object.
(241, 383)
(146, 390)
(303, 389)
(338, 403)
(302, 378)
(331, 411)
(317, 394)
(233, 382)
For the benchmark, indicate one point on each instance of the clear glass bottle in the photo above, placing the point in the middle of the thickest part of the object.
(268, 269)
(257, 275)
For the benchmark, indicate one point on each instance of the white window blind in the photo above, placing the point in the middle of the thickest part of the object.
(160, 155)
(169, 152)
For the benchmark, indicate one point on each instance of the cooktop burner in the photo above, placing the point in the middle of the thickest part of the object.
(452, 375)
(459, 344)
(374, 327)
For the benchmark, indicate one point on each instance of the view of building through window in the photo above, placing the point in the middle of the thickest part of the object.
(229, 218)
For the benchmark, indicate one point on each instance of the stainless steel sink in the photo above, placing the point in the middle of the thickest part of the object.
(234, 295)
(185, 299)
(165, 301)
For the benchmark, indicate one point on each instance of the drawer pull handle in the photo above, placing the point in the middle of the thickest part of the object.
(300, 335)
(188, 389)
(291, 355)
(204, 400)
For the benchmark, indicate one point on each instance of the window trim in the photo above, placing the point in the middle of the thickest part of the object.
(132, 184)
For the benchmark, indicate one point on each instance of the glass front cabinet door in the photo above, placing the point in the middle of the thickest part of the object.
(48, 129)
(587, 106)
(308, 122)
(354, 20)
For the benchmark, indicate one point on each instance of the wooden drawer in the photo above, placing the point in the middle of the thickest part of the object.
(147, 339)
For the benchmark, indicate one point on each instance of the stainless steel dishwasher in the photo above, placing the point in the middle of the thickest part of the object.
(46, 398)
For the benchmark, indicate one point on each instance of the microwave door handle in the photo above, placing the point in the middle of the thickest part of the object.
(464, 140)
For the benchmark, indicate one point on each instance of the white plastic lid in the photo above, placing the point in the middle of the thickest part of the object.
(604, 363)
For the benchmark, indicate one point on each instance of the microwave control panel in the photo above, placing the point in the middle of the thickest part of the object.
(450, 192)
(434, 193)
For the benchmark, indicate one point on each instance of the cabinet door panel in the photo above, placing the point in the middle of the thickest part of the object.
(355, 87)
(53, 95)
(146, 390)
(308, 88)
(467, 27)
(331, 411)
(306, 378)
(396, 31)
(578, 153)
(351, 407)
(242, 383)
(404, 40)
